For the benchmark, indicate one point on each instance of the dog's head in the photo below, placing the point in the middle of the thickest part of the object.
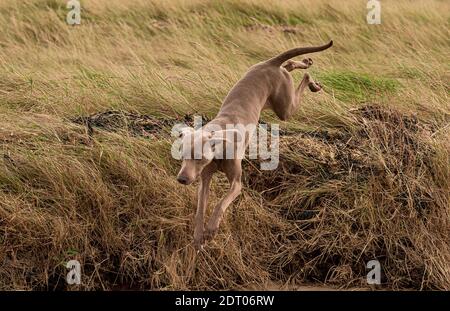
(198, 149)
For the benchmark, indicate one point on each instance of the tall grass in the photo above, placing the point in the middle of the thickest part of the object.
(111, 200)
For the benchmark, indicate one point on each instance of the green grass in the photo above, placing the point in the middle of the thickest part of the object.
(357, 87)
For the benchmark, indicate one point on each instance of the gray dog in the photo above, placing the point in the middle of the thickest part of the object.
(266, 85)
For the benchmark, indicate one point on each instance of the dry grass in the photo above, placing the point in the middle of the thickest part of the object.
(364, 170)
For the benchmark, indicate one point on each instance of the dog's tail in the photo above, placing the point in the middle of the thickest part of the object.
(280, 59)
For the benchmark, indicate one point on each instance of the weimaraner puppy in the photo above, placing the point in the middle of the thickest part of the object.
(266, 85)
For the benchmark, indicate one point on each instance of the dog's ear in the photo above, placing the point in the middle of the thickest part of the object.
(185, 130)
(219, 139)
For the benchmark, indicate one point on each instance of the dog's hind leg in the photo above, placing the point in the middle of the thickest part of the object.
(288, 99)
(292, 64)
(313, 86)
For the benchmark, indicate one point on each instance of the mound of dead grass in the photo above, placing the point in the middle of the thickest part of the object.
(378, 190)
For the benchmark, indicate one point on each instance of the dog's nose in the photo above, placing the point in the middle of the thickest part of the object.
(182, 180)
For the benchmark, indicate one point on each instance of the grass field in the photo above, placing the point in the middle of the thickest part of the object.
(364, 173)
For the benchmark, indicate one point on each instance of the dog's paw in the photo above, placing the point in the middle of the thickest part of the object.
(308, 62)
(198, 247)
(199, 244)
(315, 86)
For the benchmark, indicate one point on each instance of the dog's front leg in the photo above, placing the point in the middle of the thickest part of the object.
(233, 173)
(202, 203)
